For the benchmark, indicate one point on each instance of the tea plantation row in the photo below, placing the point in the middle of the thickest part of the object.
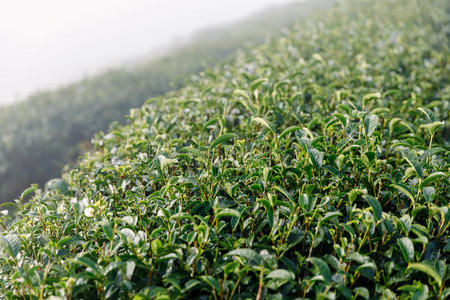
(313, 166)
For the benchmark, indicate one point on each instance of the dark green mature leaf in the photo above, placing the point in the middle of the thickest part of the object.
(211, 281)
(407, 249)
(376, 206)
(89, 263)
(412, 158)
(316, 158)
(328, 216)
(108, 229)
(321, 267)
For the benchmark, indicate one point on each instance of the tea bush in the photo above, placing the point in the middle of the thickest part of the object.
(313, 166)
(50, 129)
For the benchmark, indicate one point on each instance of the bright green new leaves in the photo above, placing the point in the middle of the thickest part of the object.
(431, 270)
(265, 124)
(228, 212)
(226, 137)
(411, 157)
(370, 124)
(432, 178)
(404, 189)
(432, 127)
(166, 162)
(10, 244)
(315, 155)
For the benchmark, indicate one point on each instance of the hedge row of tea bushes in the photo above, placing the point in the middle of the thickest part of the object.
(52, 128)
(313, 166)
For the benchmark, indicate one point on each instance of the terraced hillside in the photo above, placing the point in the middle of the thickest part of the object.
(315, 166)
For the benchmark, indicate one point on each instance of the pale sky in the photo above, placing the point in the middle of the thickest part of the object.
(46, 43)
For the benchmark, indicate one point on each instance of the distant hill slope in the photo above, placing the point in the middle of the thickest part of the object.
(313, 166)
(52, 128)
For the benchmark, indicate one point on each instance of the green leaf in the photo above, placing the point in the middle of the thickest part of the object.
(249, 254)
(264, 123)
(392, 123)
(242, 93)
(226, 137)
(370, 97)
(228, 212)
(211, 281)
(166, 162)
(288, 130)
(431, 178)
(412, 158)
(370, 124)
(11, 243)
(89, 263)
(210, 122)
(328, 216)
(156, 246)
(427, 269)
(404, 189)
(353, 194)
(190, 285)
(131, 265)
(407, 249)
(428, 193)
(427, 113)
(362, 291)
(432, 127)
(321, 267)
(28, 191)
(181, 216)
(257, 82)
(108, 229)
(316, 158)
(284, 192)
(376, 206)
(281, 274)
(63, 241)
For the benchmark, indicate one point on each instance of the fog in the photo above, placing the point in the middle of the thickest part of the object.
(47, 43)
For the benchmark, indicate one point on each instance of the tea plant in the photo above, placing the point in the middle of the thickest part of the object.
(51, 128)
(313, 166)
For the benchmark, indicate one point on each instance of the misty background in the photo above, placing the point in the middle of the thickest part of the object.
(47, 43)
